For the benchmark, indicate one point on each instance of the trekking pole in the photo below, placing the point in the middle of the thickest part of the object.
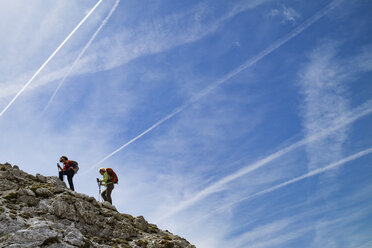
(99, 191)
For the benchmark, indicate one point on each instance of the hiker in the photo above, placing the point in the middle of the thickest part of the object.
(109, 178)
(68, 170)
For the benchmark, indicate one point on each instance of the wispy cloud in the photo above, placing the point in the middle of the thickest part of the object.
(340, 122)
(361, 62)
(287, 14)
(322, 83)
(263, 236)
(309, 174)
(296, 229)
(230, 75)
(336, 220)
(50, 58)
(144, 39)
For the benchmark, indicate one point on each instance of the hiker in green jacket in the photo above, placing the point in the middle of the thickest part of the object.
(106, 181)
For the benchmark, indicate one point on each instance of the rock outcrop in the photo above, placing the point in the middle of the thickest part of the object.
(39, 211)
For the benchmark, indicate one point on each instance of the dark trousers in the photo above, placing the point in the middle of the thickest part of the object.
(106, 194)
(69, 174)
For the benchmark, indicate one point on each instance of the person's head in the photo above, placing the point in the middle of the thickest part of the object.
(102, 170)
(63, 159)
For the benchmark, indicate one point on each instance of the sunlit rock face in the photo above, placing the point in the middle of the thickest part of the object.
(39, 211)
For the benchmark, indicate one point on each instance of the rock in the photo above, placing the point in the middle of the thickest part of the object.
(28, 200)
(43, 192)
(74, 237)
(41, 178)
(20, 175)
(37, 234)
(62, 209)
(58, 189)
(56, 181)
(31, 177)
(85, 210)
(39, 211)
(45, 206)
(141, 223)
(9, 225)
(108, 205)
(7, 165)
(6, 184)
(25, 191)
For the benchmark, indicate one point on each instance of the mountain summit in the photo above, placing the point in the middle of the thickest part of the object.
(39, 211)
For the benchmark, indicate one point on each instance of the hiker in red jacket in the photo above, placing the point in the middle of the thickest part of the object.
(66, 170)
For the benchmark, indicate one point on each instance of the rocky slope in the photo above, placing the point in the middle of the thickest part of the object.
(39, 211)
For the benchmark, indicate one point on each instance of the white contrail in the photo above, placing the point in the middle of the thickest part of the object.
(244, 66)
(307, 175)
(50, 57)
(81, 54)
(358, 113)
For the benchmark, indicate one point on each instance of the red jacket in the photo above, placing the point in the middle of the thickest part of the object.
(67, 166)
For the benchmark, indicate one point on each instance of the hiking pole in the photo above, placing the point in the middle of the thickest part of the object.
(99, 190)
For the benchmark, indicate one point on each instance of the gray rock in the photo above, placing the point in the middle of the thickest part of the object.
(74, 237)
(26, 191)
(7, 165)
(85, 211)
(38, 211)
(34, 236)
(62, 209)
(28, 200)
(61, 245)
(20, 174)
(6, 184)
(56, 181)
(41, 178)
(141, 223)
(45, 206)
(108, 205)
(43, 192)
(9, 225)
(58, 189)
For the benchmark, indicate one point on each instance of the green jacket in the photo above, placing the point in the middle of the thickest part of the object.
(106, 179)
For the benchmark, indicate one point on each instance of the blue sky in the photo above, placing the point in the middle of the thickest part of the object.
(230, 123)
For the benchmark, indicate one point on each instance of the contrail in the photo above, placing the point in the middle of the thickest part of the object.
(307, 175)
(356, 114)
(230, 75)
(50, 57)
(81, 54)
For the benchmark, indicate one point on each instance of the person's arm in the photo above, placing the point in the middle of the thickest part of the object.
(59, 166)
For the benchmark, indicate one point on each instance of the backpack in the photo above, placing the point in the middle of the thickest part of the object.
(75, 166)
(112, 174)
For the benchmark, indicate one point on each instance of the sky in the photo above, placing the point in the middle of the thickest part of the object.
(242, 123)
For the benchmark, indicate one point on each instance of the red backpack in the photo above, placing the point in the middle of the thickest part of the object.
(112, 174)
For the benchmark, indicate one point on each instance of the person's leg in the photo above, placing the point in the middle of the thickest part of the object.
(103, 194)
(70, 174)
(61, 175)
(109, 189)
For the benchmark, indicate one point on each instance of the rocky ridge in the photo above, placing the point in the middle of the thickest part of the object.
(39, 211)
